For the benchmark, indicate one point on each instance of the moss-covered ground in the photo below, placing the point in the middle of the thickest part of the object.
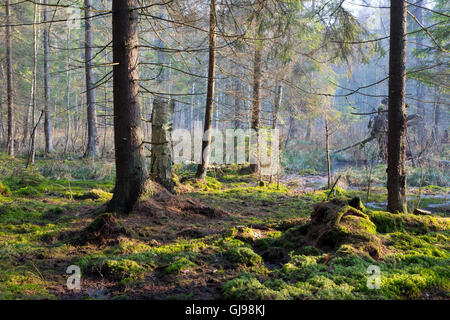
(256, 252)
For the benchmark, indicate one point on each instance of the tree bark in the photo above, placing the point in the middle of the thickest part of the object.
(66, 143)
(91, 149)
(1, 109)
(237, 104)
(36, 18)
(276, 107)
(131, 172)
(162, 124)
(327, 150)
(47, 117)
(308, 130)
(396, 169)
(437, 116)
(206, 144)
(27, 118)
(256, 107)
(420, 89)
(9, 82)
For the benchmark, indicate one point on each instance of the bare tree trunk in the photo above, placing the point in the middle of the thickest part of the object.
(162, 124)
(256, 107)
(206, 144)
(131, 171)
(47, 119)
(190, 110)
(91, 149)
(27, 118)
(276, 107)
(66, 144)
(105, 105)
(396, 170)
(1, 109)
(36, 18)
(437, 115)
(9, 82)
(288, 135)
(308, 130)
(327, 149)
(421, 130)
(237, 103)
(275, 112)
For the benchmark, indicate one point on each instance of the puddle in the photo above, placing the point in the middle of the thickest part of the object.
(443, 207)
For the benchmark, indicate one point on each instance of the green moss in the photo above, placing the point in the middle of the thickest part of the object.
(112, 268)
(247, 287)
(209, 184)
(22, 178)
(434, 188)
(413, 258)
(389, 222)
(357, 204)
(95, 194)
(301, 270)
(4, 190)
(404, 285)
(179, 265)
(22, 284)
(243, 256)
(122, 269)
(327, 289)
(28, 191)
(332, 225)
(309, 251)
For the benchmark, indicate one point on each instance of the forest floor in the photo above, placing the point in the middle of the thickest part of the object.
(266, 242)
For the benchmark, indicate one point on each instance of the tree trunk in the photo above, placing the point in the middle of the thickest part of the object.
(36, 18)
(276, 107)
(288, 135)
(1, 109)
(421, 130)
(190, 110)
(256, 107)
(47, 118)
(396, 170)
(308, 130)
(327, 149)
(66, 144)
(91, 149)
(9, 82)
(206, 144)
(131, 172)
(237, 104)
(162, 124)
(27, 118)
(437, 115)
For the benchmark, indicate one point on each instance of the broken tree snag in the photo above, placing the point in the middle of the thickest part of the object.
(162, 123)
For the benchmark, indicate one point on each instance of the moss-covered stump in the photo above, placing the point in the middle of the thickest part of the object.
(337, 226)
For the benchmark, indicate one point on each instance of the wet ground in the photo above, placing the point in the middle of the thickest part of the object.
(436, 202)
